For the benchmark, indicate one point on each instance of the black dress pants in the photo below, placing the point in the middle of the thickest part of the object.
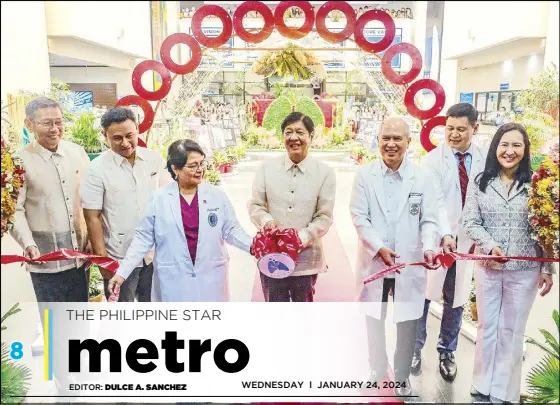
(138, 286)
(406, 334)
(293, 288)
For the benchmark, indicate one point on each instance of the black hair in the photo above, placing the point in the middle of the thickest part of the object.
(38, 103)
(463, 110)
(296, 117)
(492, 169)
(178, 154)
(117, 115)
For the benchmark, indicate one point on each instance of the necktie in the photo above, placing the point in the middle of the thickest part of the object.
(463, 176)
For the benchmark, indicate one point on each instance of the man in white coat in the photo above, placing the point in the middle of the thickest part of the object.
(454, 165)
(394, 210)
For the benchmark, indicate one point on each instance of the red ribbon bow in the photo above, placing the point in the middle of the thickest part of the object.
(275, 240)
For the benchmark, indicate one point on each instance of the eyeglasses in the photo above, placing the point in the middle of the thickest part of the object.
(194, 167)
(49, 124)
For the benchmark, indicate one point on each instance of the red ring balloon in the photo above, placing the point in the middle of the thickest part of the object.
(143, 67)
(196, 25)
(421, 85)
(427, 130)
(144, 105)
(395, 49)
(294, 33)
(322, 14)
(180, 38)
(388, 23)
(267, 15)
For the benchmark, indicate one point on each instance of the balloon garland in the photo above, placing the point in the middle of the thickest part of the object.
(273, 20)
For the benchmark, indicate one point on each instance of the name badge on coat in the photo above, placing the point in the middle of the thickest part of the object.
(415, 199)
(213, 216)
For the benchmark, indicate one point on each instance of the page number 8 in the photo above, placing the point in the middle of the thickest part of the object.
(17, 350)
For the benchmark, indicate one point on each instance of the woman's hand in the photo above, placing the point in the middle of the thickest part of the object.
(497, 251)
(545, 281)
(115, 284)
(448, 244)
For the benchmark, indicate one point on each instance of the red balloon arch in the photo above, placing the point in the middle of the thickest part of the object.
(276, 19)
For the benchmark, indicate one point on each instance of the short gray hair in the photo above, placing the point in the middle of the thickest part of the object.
(397, 117)
(41, 102)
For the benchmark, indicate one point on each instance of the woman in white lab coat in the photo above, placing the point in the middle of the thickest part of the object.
(189, 222)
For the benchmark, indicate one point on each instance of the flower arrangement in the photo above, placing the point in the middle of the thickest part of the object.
(544, 203)
(361, 155)
(295, 61)
(12, 181)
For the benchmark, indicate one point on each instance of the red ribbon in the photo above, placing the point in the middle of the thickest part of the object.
(447, 260)
(65, 254)
(275, 240)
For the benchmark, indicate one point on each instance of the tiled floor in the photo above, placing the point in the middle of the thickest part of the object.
(16, 286)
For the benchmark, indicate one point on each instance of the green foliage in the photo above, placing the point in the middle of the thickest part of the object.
(540, 128)
(278, 89)
(241, 149)
(236, 153)
(358, 151)
(540, 109)
(250, 136)
(84, 133)
(59, 91)
(544, 378)
(361, 155)
(12, 311)
(339, 135)
(95, 281)
(220, 157)
(275, 114)
(307, 106)
(15, 377)
(259, 137)
(212, 176)
(330, 138)
(543, 91)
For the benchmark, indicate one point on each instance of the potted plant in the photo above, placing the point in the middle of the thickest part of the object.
(233, 158)
(95, 284)
(212, 176)
(15, 377)
(220, 160)
(544, 378)
(84, 133)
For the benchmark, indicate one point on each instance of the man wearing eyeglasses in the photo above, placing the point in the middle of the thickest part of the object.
(48, 214)
(115, 194)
